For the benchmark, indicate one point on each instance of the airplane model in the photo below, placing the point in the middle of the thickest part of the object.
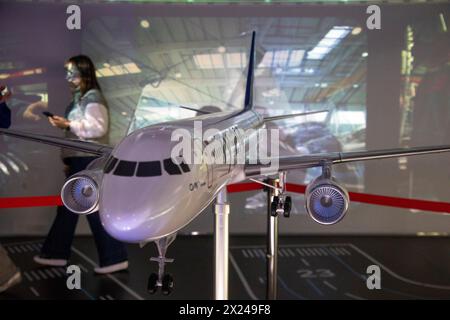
(143, 195)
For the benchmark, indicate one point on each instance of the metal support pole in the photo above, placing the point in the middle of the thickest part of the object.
(221, 214)
(272, 243)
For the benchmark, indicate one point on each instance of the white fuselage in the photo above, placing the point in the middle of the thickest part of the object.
(139, 204)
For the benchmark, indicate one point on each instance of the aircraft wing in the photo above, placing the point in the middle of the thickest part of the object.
(308, 161)
(78, 145)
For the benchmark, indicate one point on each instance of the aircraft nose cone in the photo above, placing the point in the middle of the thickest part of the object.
(137, 208)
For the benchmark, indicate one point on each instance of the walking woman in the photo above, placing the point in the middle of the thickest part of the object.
(86, 118)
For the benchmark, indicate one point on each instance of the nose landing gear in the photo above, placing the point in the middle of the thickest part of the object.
(161, 279)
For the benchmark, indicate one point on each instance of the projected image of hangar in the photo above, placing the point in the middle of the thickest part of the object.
(253, 150)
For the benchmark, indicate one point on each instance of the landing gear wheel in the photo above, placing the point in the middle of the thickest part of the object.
(152, 284)
(274, 206)
(167, 284)
(287, 207)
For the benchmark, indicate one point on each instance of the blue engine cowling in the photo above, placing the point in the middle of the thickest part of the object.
(326, 201)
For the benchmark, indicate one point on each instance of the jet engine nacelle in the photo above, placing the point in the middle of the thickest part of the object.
(81, 192)
(326, 201)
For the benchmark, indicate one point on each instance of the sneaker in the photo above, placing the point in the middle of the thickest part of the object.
(15, 279)
(112, 268)
(50, 262)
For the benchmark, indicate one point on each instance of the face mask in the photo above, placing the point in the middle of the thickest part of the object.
(72, 72)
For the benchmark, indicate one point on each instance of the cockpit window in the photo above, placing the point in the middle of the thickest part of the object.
(149, 169)
(110, 164)
(125, 168)
(170, 167)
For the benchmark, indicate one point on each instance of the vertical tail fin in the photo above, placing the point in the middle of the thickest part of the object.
(248, 102)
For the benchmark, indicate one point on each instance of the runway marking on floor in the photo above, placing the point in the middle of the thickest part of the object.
(261, 280)
(392, 273)
(316, 288)
(302, 245)
(109, 297)
(82, 267)
(63, 272)
(354, 296)
(292, 292)
(30, 248)
(21, 242)
(35, 292)
(244, 252)
(27, 276)
(10, 250)
(113, 278)
(42, 274)
(242, 277)
(258, 253)
(306, 263)
(34, 274)
(347, 252)
(101, 298)
(329, 285)
(17, 249)
(263, 253)
(318, 251)
(49, 272)
(57, 272)
(291, 252)
(334, 250)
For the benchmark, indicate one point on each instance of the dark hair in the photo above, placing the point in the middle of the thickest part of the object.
(87, 71)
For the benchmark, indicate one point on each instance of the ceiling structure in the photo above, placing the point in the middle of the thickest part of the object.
(305, 63)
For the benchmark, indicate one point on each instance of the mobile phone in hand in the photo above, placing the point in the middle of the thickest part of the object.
(48, 114)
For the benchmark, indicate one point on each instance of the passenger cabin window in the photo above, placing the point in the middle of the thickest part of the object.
(170, 167)
(110, 164)
(149, 169)
(125, 168)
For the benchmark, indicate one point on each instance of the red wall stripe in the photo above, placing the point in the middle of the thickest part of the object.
(24, 202)
(425, 205)
(396, 202)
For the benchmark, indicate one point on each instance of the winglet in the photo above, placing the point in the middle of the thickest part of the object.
(248, 102)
